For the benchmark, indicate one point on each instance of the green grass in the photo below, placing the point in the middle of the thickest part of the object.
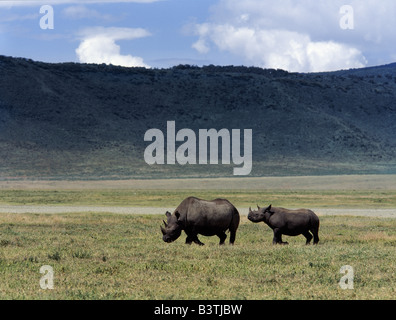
(160, 198)
(114, 256)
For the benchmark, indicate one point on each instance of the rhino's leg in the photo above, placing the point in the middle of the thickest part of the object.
(278, 237)
(193, 238)
(196, 240)
(315, 236)
(189, 240)
(232, 236)
(308, 236)
(222, 237)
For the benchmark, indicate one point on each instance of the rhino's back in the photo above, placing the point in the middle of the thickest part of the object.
(207, 216)
(293, 219)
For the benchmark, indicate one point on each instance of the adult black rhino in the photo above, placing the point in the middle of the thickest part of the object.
(288, 222)
(196, 216)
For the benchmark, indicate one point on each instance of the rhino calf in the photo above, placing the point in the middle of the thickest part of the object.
(196, 216)
(288, 222)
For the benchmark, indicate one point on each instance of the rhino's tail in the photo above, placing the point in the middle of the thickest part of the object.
(235, 220)
(315, 227)
(234, 225)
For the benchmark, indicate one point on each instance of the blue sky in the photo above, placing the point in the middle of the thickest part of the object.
(295, 35)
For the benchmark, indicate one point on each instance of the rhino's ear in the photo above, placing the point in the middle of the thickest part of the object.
(258, 208)
(168, 214)
(269, 208)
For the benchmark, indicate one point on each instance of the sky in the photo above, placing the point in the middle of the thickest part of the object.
(294, 35)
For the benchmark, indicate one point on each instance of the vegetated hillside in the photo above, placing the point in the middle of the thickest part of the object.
(82, 121)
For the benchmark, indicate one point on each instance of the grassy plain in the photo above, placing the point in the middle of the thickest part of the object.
(122, 256)
(113, 256)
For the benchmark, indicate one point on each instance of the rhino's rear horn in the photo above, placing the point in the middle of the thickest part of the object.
(250, 209)
(165, 223)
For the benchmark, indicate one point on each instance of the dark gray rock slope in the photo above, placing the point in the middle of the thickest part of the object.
(81, 121)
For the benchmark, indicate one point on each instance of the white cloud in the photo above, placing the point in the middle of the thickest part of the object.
(98, 45)
(329, 55)
(299, 35)
(280, 49)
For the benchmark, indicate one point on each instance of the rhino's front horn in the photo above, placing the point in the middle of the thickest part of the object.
(250, 209)
(163, 230)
